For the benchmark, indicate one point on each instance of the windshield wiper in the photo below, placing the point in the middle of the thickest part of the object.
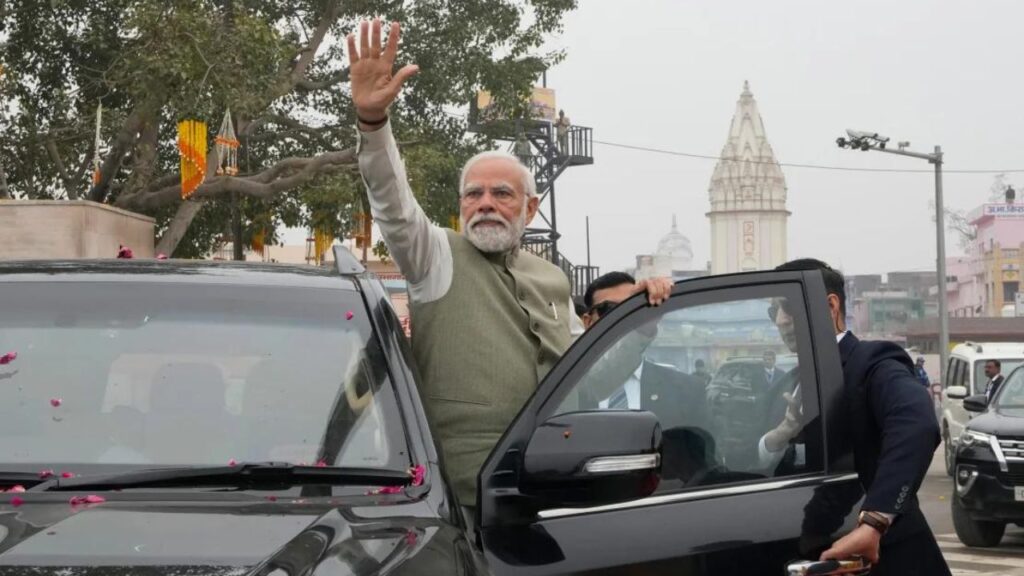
(20, 478)
(264, 475)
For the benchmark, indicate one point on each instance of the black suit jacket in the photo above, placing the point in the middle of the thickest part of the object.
(894, 430)
(996, 383)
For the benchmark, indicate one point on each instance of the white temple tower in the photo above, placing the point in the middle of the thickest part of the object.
(748, 197)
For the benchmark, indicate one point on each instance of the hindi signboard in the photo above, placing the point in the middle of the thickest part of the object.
(1004, 210)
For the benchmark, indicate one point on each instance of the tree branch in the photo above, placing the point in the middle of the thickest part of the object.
(69, 184)
(144, 163)
(124, 142)
(5, 192)
(307, 85)
(306, 56)
(283, 176)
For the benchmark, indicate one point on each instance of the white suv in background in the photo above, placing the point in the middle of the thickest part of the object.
(965, 376)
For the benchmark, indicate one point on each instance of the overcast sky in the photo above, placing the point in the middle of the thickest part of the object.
(667, 74)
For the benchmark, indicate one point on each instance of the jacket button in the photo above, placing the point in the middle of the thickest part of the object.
(522, 295)
(536, 326)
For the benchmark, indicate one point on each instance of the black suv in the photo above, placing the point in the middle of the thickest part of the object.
(164, 417)
(989, 466)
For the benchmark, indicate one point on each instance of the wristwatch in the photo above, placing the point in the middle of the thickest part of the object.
(875, 520)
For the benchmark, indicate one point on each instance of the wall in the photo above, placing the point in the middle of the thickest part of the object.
(61, 229)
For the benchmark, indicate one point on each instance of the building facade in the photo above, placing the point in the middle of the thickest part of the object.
(748, 197)
(987, 281)
(673, 258)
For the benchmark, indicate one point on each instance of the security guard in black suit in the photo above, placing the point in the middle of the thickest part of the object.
(894, 435)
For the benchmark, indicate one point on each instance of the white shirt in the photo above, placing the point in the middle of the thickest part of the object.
(418, 246)
(769, 459)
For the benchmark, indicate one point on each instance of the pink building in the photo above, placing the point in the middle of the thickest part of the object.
(987, 280)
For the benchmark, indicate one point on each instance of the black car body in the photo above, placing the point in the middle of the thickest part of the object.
(989, 465)
(222, 412)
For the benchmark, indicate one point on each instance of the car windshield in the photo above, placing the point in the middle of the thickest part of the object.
(981, 381)
(1011, 393)
(149, 373)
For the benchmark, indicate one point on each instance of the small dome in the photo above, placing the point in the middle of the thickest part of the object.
(676, 249)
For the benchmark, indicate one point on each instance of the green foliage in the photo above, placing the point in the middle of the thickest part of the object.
(167, 61)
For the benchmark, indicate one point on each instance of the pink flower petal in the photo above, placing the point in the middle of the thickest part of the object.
(56, 402)
(90, 499)
(8, 358)
(321, 464)
(418, 472)
(17, 501)
(18, 488)
(232, 462)
(44, 474)
(66, 475)
(388, 490)
(349, 315)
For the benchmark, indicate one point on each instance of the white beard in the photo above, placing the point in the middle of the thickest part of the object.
(495, 239)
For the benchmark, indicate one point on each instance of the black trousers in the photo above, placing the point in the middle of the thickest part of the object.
(918, 555)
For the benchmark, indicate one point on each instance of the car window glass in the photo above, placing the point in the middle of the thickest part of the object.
(951, 373)
(717, 375)
(1011, 393)
(962, 377)
(981, 380)
(132, 373)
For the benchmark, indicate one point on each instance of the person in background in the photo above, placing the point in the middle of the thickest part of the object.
(562, 131)
(993, 369)
(701, 371)
(922, 375)
(894, 434)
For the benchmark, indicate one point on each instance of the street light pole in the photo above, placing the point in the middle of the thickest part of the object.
(940, 239)
(866, 141)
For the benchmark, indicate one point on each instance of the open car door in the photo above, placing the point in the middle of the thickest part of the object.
(629, 460)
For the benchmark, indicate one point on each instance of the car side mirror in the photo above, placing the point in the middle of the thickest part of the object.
(593, 458)
(976, 403)
(956, 392)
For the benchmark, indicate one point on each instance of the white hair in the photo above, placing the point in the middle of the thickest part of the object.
(529, 184)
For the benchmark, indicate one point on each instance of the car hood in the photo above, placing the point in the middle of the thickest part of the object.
(1000, 421)
(216, 539)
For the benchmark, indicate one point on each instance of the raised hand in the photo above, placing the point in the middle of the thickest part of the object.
(658, 290)
(374, 87)
(779, 437)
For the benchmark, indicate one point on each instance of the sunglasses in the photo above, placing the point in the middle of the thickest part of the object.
(779, 303)
(602, 308)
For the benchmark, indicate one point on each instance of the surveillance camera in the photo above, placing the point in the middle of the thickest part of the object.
(841, 142)
(858, 135)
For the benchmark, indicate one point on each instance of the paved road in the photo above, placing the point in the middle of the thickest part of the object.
(1006, 560)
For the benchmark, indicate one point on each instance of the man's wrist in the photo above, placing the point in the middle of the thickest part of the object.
(874, 520)
(371, 120)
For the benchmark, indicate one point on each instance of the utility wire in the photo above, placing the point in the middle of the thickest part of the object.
(786, 164)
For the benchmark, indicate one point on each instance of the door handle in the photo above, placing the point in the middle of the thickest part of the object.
(851, 567)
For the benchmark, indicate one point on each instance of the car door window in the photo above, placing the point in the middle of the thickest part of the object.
(963, 375)
(953, 378)
(750, 414)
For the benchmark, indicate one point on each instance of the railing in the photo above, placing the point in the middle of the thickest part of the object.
(579, 276)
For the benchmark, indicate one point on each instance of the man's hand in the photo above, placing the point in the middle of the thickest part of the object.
(777, 438)
(658, 289)
(862, 542)
(373, 87)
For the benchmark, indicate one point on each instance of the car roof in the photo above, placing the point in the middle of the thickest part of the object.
(175, 271)
(983, 350)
